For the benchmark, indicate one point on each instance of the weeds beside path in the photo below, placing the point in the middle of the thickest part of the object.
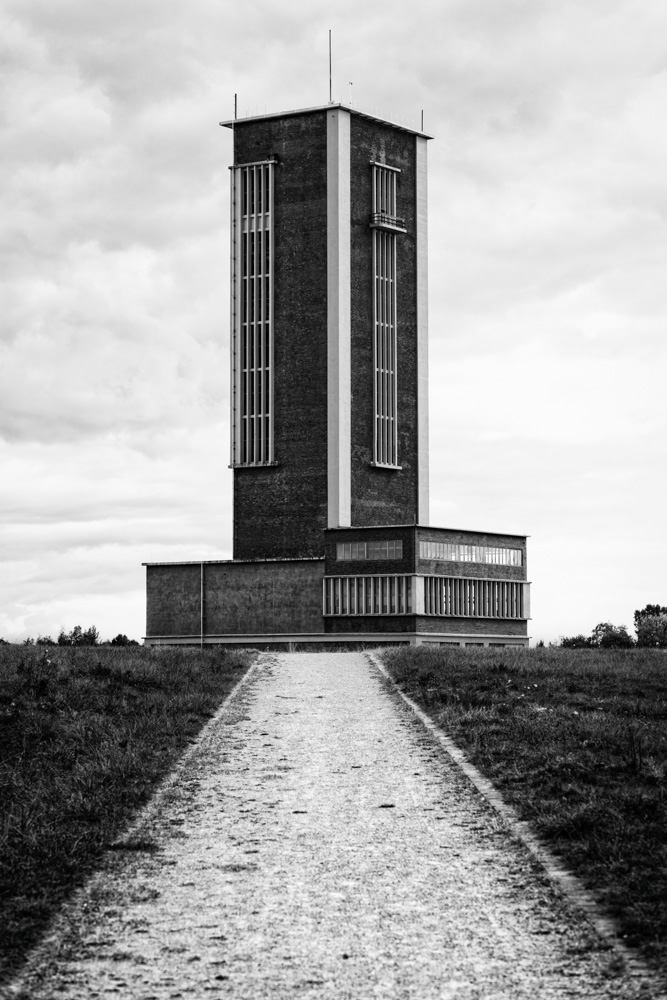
(576, 741)
(85, 735)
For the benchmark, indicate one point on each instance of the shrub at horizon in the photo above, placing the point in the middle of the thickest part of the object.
(122, 640)
(651, 626)
(604, 636)
(77, 637)
(608, 636)
(649, 612)
(576, 641)
(652, 631)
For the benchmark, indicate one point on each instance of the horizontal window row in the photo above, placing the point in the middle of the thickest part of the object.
(460, 598)
(368, 595)
(369, 550)
(456, 552)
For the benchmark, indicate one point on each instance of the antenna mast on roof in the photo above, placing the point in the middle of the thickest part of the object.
(330, 101)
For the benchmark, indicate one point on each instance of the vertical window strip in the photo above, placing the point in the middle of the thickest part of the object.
(367, 595)
(385, 387)
(470, 598)
(252, 314)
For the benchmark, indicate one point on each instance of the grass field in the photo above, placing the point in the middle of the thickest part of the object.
(576, 741)
(85, 735)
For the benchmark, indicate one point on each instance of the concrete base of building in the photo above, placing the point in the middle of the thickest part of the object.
(355, 594)
(353, 640)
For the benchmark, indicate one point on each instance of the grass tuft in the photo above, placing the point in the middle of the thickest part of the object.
(576, 741)
(85, 735)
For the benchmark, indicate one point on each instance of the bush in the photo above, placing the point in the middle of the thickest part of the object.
(650, 611)
(608, 636)
(652, 631)
(122, 640)
(77, 637)
(576, 641)
(604, 636)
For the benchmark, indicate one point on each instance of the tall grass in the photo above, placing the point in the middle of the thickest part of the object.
(576, 740)
(85, 735)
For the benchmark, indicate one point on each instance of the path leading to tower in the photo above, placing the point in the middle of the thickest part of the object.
(319, 844)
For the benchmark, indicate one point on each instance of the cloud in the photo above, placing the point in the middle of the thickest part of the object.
(548, 301)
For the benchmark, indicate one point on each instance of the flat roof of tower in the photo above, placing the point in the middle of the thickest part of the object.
(326, 107)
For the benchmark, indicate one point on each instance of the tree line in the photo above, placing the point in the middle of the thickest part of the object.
(78, 637)
(650, 627)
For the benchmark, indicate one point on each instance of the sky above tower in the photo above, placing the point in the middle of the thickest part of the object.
(548, 304)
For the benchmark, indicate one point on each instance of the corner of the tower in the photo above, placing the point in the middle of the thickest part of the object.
(421, 184)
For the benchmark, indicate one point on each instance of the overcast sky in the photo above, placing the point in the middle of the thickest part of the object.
(548, 264)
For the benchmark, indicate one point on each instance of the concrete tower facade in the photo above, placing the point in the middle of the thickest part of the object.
(329, 411)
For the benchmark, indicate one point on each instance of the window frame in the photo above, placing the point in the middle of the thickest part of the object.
(385, 226)
(252, 320)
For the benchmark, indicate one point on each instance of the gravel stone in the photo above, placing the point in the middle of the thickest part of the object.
(317, 842)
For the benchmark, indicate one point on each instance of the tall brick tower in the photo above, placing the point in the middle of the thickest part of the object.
(329, 411)
(328, 328)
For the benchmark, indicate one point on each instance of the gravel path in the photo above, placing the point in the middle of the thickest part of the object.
(318, 843)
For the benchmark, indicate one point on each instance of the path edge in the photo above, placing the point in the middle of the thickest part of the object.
(149, 811)
(569, 884)
(19, 982)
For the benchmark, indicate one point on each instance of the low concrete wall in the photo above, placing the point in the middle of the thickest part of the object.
(238, 598)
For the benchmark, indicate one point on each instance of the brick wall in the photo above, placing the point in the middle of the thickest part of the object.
(422, 623)
(381, 496)
(370, 623)
(172, 599)
(262, 597)
(472, 626)
(274, 597)
(280, 511)
(369, 567)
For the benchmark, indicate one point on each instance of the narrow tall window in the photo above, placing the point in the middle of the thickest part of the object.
(385, 225)
(252, 314)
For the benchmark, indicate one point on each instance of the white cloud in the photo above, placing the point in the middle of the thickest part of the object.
(548, 302)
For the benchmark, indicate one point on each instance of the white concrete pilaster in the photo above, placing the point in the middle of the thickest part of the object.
(422, 331)
(339, 393)
(418, 595)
